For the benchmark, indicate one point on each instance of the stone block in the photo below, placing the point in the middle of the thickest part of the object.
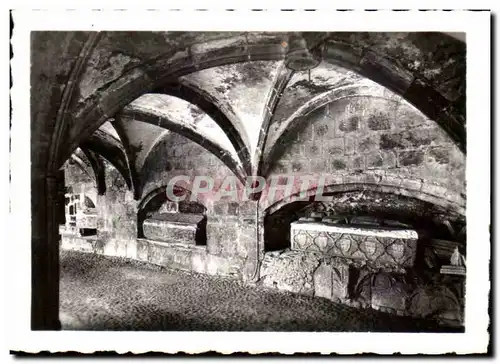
(312, 150)
(73, 242)
(199, 261)
(228, 239)
(413, 139)
(391, 180)
(338, 164)
(233, 208)
(380, 160)
(323, 281)
(115, 248)
(369, 144)
(131, 249)
(354, 178)
(377, 67)
(419, 137)
(374, 160)
(223, 266)
(220, 208)
(297, 166)
(360, 287)
(436, 302)
(392, 141)
(247, 240)
(373, 176)
(142, 250)
(248, 208)
(214, 238)
(321, 130)
(349, 145)
(357, 162)
(411, 184)
(435, 190)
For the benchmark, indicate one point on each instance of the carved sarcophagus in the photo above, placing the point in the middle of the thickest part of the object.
(379, 245)
(176, 228)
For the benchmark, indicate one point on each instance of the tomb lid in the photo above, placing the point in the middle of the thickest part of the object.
(178, 218)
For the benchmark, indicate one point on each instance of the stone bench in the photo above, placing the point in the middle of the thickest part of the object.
(176, 228)
(380, 246)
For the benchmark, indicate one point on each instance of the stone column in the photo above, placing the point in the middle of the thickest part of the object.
(45, 253)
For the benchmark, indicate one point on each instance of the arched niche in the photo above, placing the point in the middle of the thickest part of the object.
(369, 208)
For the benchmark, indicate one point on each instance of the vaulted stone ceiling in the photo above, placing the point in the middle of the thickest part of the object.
(233, 93)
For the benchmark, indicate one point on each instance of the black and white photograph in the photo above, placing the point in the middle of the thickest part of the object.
(254, 181)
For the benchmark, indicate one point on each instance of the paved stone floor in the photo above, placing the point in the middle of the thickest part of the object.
(102, 293)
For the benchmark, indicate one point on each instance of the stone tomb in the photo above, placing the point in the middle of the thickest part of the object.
(381, 246)
(176, 228)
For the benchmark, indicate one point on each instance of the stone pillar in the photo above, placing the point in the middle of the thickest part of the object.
(45, 253)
